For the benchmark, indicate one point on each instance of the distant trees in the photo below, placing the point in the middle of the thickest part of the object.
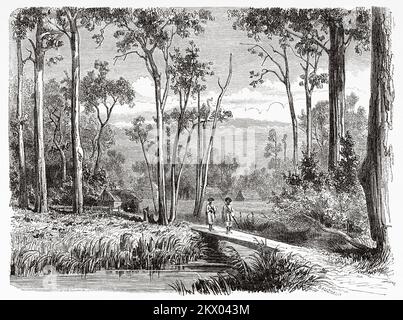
(272, 148)
(113, 165)
(139, 133)
(355, 123)
(257, 24)
(227, 168)
(284, 141)
(98, 93)
(375, 171)
(57, 112)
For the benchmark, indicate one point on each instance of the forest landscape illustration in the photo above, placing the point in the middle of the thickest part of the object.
(201, 151)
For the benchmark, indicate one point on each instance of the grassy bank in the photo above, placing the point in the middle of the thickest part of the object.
(90, 242)
(262, 271)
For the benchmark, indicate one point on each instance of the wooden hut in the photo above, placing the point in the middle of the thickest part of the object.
(239, 196)
(109, 199)
(130, 202)
(247, 195)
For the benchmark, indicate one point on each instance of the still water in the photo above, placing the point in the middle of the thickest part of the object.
(129, 280)
(119, 280)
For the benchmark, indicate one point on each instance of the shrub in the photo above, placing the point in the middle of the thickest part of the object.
(345, 174)
(309, 175)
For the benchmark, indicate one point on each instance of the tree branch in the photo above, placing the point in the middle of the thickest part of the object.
(268, 55)
(124, 56)
(301, 36)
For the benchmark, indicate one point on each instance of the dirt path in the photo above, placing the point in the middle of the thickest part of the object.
(339, 278)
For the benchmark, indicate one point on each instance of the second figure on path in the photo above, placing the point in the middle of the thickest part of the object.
(228, 214)
(210, 213)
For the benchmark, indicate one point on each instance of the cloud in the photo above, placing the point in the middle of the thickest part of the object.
(144, 87)
(359, 83)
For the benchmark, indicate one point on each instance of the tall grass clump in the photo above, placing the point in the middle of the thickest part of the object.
(263, 271)
(369, 261)
(83, 246)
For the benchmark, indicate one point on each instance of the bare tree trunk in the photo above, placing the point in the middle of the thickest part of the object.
(77, 150)
(375, 170)
(149, 171)
(308, 124)
(99, 148)
(162, 218)
(275, 152)
(336, 91)
(207, 154)
(62, 157)
(294, 124)
(41, 201)
(64, 165)
(178, 179)
(23, 194)
(198, 155)
(174, 160)
(285, 149)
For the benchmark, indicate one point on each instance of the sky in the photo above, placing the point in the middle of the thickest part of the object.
(216, 43)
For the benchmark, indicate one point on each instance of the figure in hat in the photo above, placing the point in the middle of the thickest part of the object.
(228, 214)
(210, 213)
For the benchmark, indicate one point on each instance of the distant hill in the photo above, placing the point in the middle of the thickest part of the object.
(248, 137)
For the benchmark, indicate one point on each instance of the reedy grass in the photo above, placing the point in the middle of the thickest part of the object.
(73, 244)
(369, 262)
(263, 271)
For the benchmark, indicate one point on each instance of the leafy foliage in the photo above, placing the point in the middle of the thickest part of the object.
(345, 174)
(272, 148)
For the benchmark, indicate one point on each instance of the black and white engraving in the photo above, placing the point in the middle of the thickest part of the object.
(201, 150)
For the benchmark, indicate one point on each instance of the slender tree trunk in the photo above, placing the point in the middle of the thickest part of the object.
(207, 154)
(168, 131)
(294, 124)
(275, 152)
(178, 179)
(308, 124)
(99, 149)
(173, 174)
(336, 91)
(375, 171)
(23, 194)
(75, 120)
(285, 150)
(149, 172)
(198, 155)
(41, 203)
(162, 219)
(63, 164)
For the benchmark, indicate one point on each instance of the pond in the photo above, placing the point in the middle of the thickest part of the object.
(115, 280)
(127, 280)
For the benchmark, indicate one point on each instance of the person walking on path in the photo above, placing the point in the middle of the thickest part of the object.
(210, 213)
(228, 214)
